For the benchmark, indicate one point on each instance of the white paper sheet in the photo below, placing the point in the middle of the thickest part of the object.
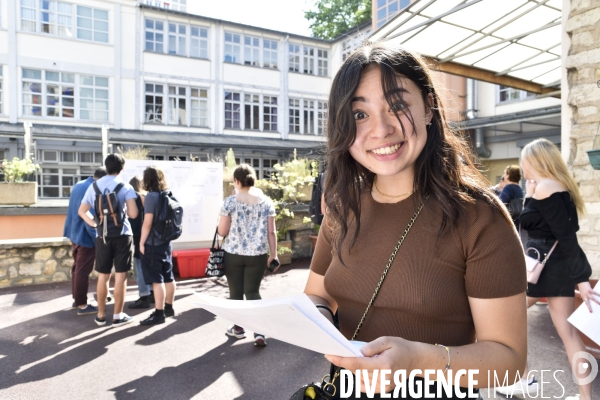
(588, 323)
(292, 319)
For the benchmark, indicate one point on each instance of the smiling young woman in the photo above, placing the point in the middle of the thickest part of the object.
(459, 276)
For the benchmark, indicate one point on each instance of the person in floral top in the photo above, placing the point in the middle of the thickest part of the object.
(248, 221)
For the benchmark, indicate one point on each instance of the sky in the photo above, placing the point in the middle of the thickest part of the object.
(279, 15)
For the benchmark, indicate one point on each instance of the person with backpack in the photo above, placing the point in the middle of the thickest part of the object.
(113, 201)
(512, 194)
(144, 290)
(82, 237)
(162, 224)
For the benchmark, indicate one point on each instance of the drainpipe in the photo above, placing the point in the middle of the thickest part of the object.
(472, 103)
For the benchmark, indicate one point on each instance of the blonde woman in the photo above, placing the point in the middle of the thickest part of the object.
(552, 206)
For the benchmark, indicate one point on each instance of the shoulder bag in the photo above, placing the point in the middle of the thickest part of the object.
(215, 266)
(534, 265)
(327, 388)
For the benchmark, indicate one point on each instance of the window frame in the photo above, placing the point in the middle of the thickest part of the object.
(178, 37)
(178, 97)
(202, 106)
(270, 54)
(252, 47)
(231, 46)
(233, 102)
(55, 15)
(201, 40)
(154, 94)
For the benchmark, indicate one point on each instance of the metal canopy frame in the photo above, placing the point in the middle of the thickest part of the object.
(515, 43)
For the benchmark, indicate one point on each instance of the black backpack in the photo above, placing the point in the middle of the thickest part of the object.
(110, 215)
(168, 217)
(314, 207)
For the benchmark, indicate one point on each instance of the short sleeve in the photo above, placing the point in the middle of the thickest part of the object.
(271, 208)
(323, 250)
(150, 203)
(228, 207)
(130, 193)
(495, 261)
(89, 196)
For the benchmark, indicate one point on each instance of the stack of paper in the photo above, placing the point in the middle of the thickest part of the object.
(586, 322)
(293, 319)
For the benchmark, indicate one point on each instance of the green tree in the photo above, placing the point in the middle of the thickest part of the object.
(334, 17)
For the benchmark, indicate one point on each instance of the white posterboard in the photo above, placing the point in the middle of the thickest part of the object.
(198, 186)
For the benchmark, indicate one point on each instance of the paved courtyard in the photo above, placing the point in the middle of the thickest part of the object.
(47, 352)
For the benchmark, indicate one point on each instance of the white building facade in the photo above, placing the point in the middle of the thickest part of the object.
(158, 75)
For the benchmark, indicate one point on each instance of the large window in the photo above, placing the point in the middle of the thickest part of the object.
(259, 112)
(308, 60)
(154, 103)
(93, 99)
(199, 107)
(63, 169)
(295, 115)
(252, 111)
(154, 36)
(177, 39)
(177, 105)
(270, 113)
(322, 62)
(187, 106)
(263, 166)
(251, 51)
(198, 42)
(308, 116)
(270, 53)
(506, 93)
(257, 52)
(64, 19)
(294, 58)
(64, 95)
(92, 24)
(60, 94)
(232, 48)
(233, 106)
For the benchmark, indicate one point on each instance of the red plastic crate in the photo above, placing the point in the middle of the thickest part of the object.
(191, 263)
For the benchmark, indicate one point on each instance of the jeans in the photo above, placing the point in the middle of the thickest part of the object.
(139, 277)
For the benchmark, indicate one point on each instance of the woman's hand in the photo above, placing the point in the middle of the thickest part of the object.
(588, 294)
(530, 187)
(271, 258)
(391, 353)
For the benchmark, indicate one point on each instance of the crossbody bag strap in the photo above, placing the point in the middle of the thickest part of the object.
(388, 265)
(550, 252)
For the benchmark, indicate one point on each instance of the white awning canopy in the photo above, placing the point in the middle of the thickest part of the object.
(509, 42)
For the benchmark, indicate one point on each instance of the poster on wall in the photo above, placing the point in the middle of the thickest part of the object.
(198, 186)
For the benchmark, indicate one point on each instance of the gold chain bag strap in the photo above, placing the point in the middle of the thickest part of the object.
(329, 387)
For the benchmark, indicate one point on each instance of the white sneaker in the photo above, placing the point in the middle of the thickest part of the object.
(576, 397)
(521, 387)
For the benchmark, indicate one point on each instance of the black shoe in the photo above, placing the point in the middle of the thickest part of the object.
(169, 312)
(153, 319)
(140, 303)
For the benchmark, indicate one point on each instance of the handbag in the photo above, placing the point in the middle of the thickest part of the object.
(534, 265)
(215, 266)
(326, 389)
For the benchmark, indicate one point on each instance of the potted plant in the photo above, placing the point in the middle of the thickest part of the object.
(15, 190)
(287, 187)
(594, 154)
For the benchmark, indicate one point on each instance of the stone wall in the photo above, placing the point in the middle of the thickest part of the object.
(29, 261)
(583, 69)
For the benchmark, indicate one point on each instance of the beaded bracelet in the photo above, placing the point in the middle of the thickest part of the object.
(447, 351)
(324, 307)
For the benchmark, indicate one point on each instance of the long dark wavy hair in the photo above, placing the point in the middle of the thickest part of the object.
(444, 169)
(154, 179)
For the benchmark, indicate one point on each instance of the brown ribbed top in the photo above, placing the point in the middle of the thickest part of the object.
(424, 296)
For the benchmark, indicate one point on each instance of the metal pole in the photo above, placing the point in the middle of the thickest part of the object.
(105, 140)
(28, 139)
